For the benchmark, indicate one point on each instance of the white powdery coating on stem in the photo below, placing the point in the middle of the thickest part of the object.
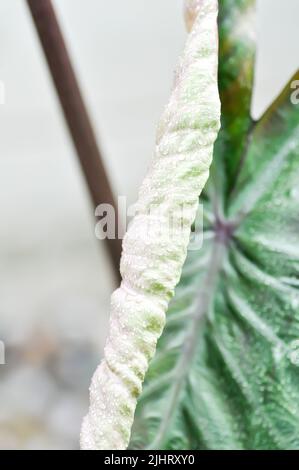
(151, 264)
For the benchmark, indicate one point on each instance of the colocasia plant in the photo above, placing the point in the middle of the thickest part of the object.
(225, 374)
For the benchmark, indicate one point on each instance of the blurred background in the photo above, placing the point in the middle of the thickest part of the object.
(55, 277)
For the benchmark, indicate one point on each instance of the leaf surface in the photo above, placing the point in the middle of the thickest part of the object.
(226, 373)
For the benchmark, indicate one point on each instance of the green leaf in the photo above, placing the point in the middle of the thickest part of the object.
(236, 74)
(226, 373)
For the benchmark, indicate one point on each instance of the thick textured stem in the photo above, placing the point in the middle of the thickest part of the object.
(191, 10)
(155, 245)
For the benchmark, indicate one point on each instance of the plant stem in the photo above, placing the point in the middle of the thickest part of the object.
(75, 113)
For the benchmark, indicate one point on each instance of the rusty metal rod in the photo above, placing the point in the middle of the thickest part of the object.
(75, 113)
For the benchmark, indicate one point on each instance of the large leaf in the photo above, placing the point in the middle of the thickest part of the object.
(226, 373)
